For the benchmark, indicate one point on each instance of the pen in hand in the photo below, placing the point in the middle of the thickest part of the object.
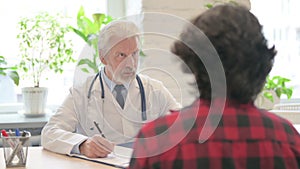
(98, 128)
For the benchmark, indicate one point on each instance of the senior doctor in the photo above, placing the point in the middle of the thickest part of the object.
(117, 113)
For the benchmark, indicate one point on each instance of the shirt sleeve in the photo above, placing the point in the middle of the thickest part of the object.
(75, 149)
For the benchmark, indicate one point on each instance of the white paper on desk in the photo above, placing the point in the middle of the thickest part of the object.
(120, 157)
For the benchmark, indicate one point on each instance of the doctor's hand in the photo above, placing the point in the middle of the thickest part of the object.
(96, 146)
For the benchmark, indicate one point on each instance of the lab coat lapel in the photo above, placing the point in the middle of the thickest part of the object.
(114, 121)
(132, 110)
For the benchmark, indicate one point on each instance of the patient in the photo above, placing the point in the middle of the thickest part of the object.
(239, 136)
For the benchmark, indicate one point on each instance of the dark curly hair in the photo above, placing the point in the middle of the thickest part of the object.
(237, 37)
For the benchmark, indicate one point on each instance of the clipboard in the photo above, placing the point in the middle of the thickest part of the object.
(119, 158)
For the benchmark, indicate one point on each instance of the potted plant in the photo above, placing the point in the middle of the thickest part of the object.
(274, 88)
(43, 46)
(277, 84)
(88, 30)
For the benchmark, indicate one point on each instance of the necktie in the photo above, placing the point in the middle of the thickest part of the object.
(119, 96)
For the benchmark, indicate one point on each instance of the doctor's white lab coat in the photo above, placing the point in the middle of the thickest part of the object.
(73, 121)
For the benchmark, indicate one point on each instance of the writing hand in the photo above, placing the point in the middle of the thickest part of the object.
(96, 146)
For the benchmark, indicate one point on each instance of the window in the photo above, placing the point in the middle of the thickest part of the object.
(282, 29)
(11, 11)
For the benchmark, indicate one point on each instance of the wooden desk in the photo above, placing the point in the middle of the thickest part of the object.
(40, 158)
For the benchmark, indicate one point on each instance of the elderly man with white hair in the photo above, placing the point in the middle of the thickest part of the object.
(110, 107)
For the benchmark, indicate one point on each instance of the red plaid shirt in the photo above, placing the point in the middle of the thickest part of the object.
(245, 138)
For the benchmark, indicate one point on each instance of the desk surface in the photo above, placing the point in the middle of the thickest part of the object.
(40, 158)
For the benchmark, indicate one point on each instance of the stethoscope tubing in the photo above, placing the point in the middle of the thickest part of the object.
(141, 86)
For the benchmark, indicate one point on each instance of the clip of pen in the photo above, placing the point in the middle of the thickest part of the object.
(98, 128)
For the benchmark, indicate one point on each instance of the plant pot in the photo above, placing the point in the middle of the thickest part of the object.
(34, 99)
(264, 103)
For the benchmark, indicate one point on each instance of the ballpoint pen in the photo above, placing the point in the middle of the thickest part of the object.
(17, 131)
(10, 133)
(10, 142)
(98, 128)
(20, 152)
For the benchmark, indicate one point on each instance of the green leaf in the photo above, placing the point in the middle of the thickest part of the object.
(2, 61)
(278, 92)
(107, 19)
(288, 92)
(142, 54)
(2, 73)
(88, 62)
(269, 96)
(80, 13)
(83, 61)
(209, 6)
(14, 76)
(278, 84)
(98, 20)
(85, 70)
(80, 34)
(86, 26)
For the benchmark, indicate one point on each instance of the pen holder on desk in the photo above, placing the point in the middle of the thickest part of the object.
(15, 149)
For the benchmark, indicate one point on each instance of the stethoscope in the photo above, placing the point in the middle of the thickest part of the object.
(142, 91)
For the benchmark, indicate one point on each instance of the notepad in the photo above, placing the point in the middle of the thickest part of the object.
(120, 157)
